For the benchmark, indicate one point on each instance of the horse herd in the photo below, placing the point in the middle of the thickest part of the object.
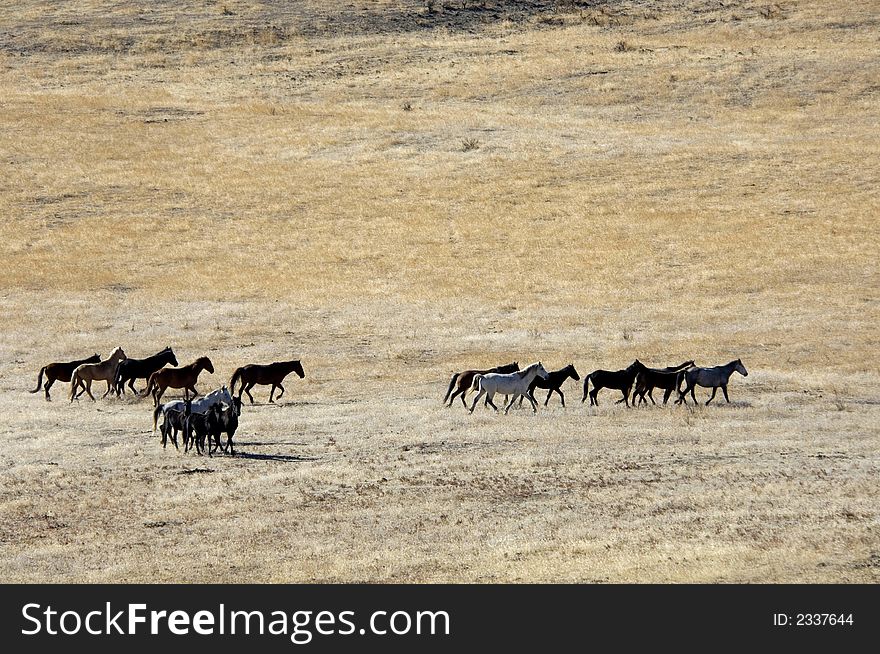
(637, 378)
(202, 421)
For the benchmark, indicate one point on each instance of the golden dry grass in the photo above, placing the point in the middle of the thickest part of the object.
(664, 180)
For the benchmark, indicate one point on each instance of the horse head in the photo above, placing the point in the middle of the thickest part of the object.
(117, 354)
(171, 357)
(542, 371)
(740, 368)
(572, 372)
(206, 364)
(298, 369)
(95, 358)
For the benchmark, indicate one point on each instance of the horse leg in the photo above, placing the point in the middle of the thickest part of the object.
(453, 396)
(130, 385)
(47, 387)
(666, 395)
(193, 389)
(515, 396)
(561, 396)
(693, 395)
(476, 399)
(625, 392)
(724, 390)
(248, 391)
(271, 393)
(278, 397)
(712, 397)
(489, 397)
(109, 388)
(89, 390)
(650, 395)
(593, 397)
(463, 395)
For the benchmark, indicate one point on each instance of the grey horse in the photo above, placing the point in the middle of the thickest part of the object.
(709, 378)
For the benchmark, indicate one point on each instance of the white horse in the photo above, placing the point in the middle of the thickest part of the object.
(201, 405)
(515, 384)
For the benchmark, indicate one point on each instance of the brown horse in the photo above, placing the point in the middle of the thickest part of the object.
(84, 374)
(461, 381)
(184, 377)
(60, 372)
(274, 373)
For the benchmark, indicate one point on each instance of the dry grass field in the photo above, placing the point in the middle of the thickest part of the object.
(392, 195)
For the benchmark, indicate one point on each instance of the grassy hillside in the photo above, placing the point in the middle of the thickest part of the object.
(393, 194)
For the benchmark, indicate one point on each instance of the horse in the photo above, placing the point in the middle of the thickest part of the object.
(554, 381)
(227, 423)
(198, 426)
(60, 372)
(621, 380)
(464, 380)
(273, 373)
(86, 373)
(175, 421)
(650, 378)
(184, 377)
(515, 384)
(132, 369)
(709, 378)
(198, 406)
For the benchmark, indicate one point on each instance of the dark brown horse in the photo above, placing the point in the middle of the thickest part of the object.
(131, 369)
(650, 378)
(274, 373)
(183, 377)
(554, 381)
(462, 381)
(621, 380)
(60, 372)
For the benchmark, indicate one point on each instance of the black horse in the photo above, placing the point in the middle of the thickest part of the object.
(175, 421)
(650, 378)
(227, 423)
(131, 369)
(554, 381)
(200, 426)
(622, 380)
(60, 371)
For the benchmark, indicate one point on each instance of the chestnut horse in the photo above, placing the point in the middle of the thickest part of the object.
(273, 373)
(184, 377)
(462, 381)
(60, 372)
(84, 374)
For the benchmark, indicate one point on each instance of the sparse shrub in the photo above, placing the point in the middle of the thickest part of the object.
(623, 46)
(627, 335)
(771, 11)
(469, 144)
(430, 6)
(407, 106)
(226, 11)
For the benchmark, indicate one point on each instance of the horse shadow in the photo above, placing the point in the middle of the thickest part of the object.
(286, 458)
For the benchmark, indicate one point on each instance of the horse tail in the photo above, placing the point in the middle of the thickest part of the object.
(156, 413)
(586, 386)
(445, 397)
(235, 376)
(475, 385)
(74, 380)
(150, 383)
(39, 380)
(680, 378)
(117, 377)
